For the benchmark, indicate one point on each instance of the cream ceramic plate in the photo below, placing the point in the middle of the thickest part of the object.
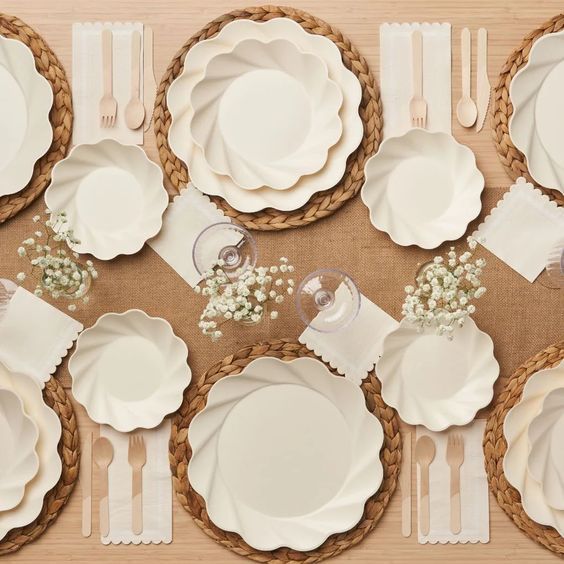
(266, 114)
(546, 458)
(178, 101)
(285, 454)
(422, 188)
(129, 370)
(435, 382)
(537, 124)
(19, 462)
(515, 428)
(49, 427)
(25, 102)
(113, 195)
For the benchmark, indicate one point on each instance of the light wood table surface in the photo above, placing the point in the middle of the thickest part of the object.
(520, 326)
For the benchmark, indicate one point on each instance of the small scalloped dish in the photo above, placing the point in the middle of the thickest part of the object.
(129, 370)
(113, 196)
(434, 382)
(422, 188)
(285, 454)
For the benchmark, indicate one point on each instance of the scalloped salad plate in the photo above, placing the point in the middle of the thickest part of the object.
(113, 196)
(129, 370)
(433, 381)
(422, 188)
(285, 454)
(25, 102)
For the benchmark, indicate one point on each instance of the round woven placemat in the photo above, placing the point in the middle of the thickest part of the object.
(321, 204)
(60, 116)
(513, 160)
(495, 446)
(179, 454)
(69, 451)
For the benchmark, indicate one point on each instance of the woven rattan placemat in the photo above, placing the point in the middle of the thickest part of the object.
(495, 446)
(321, 204)
(69, 451)
(179, 453)
(513, 160)
(60, 116)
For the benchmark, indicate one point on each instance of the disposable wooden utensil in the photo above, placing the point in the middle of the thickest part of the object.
(424, 455)
(483, 88)
(466, 110)
(103, 453)
(417, 104)
(108, 104)
(149, 84)
(137, 457)
(405, 486)
(86, 485)
(455, 458)
(135, 110)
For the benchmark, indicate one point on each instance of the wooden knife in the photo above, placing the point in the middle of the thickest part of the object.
(149, 84)
(483, 88)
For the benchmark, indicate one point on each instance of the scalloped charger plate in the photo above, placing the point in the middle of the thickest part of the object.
(285, 454)
(433, 381)
(129, 370)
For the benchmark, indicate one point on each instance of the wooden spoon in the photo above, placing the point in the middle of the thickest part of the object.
(135, 110)
(466, 110)
(103, 454)
(424, 455)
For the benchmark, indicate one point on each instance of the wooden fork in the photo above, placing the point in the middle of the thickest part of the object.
(417, 104)
(137, 457)
(108, 104)
(455, 458)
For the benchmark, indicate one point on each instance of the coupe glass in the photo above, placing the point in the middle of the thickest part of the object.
(327, 300)
(555, 265)
(228, 242)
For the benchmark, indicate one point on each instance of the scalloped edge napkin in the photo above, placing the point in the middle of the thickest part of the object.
(474, 492)
(157, 488)
(522, 229)
(396, 76)
(354, 350)
(189, 213)
(34, 335)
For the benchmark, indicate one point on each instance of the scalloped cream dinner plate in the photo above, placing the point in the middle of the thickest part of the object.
(25, 102)
(434, 382)
(18, 462)
(209, 182)
(285, 454)
(422, 188)
(129, 370)
(266, 114)
(113, 195)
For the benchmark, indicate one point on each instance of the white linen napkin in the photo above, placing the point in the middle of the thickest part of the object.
(35, 336)
(522, 229)
(396, 76)
(88, 86)
(354, 350)
(474, 495)
(185, 218)
(157, 488)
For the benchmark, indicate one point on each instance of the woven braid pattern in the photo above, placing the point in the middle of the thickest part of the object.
(495, 447)
(69, 451)
(321, 204)
(48, 66)
(512, 159)
(180, 453)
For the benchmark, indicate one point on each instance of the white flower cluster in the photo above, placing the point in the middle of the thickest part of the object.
(445, 290)
(244, 300)
(49, 255)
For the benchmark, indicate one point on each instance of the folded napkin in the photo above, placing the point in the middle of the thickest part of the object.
(474, 496)
(88, 85)
(35, 336)
(522, 229)
(184, 219)
(157, 488)
(354, 350)
(396, 75)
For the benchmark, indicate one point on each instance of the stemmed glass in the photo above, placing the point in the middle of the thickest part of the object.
(555, 265)
(327, 300)
(228, 242)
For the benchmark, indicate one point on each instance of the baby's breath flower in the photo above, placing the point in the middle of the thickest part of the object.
(20, 277)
